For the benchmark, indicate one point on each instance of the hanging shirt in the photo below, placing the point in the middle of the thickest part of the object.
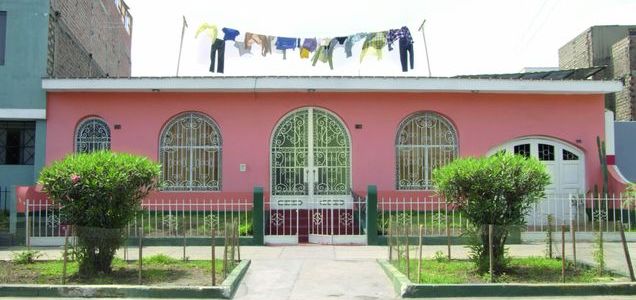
(374, 42)
(351, 40)
(399, 34)
(333, 44)
(241, 48)
(209, 29)
(322, 53)
(230, 34)
(310, 44)
(263, 40)
(284, 43)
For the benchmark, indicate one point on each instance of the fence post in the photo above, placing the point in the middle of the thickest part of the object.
(13, 214)
(257, 217)
(372, 215)
(626, 250)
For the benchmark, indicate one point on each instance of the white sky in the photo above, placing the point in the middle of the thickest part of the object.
(463, 36)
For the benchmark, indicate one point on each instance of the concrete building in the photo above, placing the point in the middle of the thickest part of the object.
(611, 46)
(51, 38)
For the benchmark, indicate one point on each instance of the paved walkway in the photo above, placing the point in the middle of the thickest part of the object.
(335, 272)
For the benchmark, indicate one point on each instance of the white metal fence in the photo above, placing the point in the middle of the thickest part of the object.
(585, 213)
(331, 223)
(159, 218)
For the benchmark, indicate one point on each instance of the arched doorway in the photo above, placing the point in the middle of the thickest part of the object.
(566, 165)
(310, 179)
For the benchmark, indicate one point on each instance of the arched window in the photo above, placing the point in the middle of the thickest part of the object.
(190, 154)
(92, 135)
(424, 142)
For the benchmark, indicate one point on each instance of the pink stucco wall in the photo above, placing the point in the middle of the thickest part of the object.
(246, 121)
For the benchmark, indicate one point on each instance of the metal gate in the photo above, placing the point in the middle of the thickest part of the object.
(311, 198)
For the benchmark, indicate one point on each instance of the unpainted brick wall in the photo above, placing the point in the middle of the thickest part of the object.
(87, 38)
(623, 68)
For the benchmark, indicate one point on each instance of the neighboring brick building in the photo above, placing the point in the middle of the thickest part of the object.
(624, 67)
(611, 46)
(89, 38)
(51, 38)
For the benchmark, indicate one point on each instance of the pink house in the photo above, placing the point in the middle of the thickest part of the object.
(323, 139)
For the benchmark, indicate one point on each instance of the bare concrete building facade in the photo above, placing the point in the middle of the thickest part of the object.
(612, 46)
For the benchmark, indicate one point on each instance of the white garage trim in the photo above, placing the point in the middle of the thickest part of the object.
(559, 146)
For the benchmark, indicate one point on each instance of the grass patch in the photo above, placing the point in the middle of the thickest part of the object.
(4, 221)
(521, 270)
(157, 270)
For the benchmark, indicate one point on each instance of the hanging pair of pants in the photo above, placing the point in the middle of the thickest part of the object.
(406, 46)
(217, 46)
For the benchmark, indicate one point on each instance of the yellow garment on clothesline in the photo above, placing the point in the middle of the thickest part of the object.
(209, 29)
(304, 53)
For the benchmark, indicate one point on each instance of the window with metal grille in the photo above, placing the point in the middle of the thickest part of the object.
(425, 141)
(92, 135)
(3, 35)
(190, 154)
(17, 143)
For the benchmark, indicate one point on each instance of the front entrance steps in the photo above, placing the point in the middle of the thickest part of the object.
(312, 222)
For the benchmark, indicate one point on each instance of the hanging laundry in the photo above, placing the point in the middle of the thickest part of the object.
(230, 34)
(375, 42)
(351, 40)
(322, 53)
(333, 44)
(263, 40)
(216, 48)
(405, 41)
(209, 29)
(241, 48)
(285, 43)
(309, 45)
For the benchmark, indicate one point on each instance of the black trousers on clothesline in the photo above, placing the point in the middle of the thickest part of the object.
(405, 47)
(217, 46)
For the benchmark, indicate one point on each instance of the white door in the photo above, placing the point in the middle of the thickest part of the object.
(566, 165)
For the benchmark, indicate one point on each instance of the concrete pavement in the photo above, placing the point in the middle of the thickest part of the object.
(343, 272)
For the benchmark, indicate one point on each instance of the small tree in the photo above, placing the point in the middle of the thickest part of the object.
(100, 193)
(497, 190)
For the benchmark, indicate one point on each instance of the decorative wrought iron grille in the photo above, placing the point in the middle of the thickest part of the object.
(310, 155)
(425, 141)
(190, 154)
(331, 155)
(92, 135)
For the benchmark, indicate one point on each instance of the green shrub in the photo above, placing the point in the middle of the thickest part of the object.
(100, 193)
(25, 257)
(498, 190)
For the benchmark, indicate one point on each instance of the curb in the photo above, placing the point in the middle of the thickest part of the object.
(224, 291)
(407, 289)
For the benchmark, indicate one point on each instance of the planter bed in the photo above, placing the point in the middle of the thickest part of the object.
(163, 277)
(528, 277)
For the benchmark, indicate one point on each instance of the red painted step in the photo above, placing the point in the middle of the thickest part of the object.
(314, 221)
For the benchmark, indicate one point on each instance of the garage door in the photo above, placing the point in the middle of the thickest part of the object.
(566, 165)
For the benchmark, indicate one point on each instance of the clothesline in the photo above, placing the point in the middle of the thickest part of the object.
(322, 48)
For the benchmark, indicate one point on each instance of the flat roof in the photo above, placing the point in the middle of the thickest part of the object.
(329, 84)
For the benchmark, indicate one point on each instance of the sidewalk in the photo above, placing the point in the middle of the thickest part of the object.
(345, 272)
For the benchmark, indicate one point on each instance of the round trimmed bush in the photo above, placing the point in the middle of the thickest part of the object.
(100, 193)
